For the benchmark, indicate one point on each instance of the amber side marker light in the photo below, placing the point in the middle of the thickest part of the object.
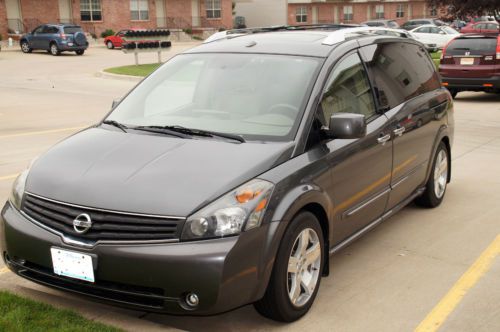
(444, 84)
(488, 85)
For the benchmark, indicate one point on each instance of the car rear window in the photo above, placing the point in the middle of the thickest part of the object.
(476, 46)
(72, 30)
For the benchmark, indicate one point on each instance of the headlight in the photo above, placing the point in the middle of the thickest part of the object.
(17, 193)
(240, 209)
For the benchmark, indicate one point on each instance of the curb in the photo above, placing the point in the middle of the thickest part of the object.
(130, 78)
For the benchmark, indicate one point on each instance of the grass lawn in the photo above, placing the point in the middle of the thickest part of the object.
(21, 314)
(140, 70)
(435, 57)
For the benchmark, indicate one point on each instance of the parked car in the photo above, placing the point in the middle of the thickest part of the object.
(471, 63)
(412, 24)
(436, 35)
(230, 174)
(482, 27)
(116, 40)
(430, 47)
(382, 23)
(458, 24)
(55, 38)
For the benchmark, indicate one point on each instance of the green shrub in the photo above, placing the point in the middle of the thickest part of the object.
(197, 38)
(189, 31)
(107, 33)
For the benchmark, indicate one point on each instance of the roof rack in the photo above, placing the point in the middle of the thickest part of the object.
(340, 33)
(228, 34)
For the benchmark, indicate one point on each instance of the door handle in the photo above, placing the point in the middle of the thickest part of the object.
(383, 139)
(399, 131)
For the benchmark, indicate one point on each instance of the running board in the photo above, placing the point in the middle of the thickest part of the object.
(375, 223)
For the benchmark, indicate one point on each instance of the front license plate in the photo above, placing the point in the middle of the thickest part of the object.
(467, 61)
(72, 264)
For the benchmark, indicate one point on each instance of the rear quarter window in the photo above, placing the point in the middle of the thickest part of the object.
(400, 71)
(72, 30)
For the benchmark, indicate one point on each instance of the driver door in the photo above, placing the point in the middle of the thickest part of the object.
(36, 37)
(361, 168)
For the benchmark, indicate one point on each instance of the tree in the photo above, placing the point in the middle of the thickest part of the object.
(463, 8)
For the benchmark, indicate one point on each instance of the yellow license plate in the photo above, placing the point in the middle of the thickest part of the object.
(467, 61)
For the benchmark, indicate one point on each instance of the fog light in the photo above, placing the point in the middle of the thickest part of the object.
(192, 300)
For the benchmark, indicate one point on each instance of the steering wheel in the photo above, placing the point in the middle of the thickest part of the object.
(287, 110)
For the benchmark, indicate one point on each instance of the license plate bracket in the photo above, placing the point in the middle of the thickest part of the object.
(467, 61)
(72, 264)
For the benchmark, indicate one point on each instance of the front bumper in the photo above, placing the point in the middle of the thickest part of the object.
(474, 84)
(224, 273)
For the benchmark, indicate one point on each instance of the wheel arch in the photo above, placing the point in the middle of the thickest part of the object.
(443, 135)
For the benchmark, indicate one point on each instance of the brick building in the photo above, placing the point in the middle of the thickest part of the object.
(96, 16)
(357, 11)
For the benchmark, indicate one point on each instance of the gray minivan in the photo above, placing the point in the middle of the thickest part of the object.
(230, 174)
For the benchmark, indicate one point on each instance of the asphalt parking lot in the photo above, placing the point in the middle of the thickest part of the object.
(422, 268)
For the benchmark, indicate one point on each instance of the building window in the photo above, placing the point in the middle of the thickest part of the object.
(139, 10)
(348, 16)
(379, 11)
(400, 11)
(301, 14)
(90, 10)
(213, 8)
(434, 11)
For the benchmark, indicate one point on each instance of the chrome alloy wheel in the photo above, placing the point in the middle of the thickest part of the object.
(53, 49)
(303, 267)
(440, 174)
(25, 47)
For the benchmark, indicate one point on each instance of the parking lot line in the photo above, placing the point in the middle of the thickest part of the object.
(448, 303)
(8, 177)
(30, 133)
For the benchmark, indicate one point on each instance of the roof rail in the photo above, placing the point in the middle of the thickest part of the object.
(340, 35)
(335, 37)
(239, 32)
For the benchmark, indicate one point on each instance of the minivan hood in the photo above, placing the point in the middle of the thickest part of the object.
(147, 173)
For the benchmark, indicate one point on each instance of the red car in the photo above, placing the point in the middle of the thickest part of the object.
(481, 27)
(471, 63)
(116, 40)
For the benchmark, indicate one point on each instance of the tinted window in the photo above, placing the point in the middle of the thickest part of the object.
(400, 71)
(375, 24)
(72, 30)
(423, 30)
(39, 29)
(50, 29)
(434, 30)
(491, 26)
(348, 90)
(476, 46)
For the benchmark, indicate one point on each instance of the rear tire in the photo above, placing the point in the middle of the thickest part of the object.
(25, 47)
(54, 50)
(110, 45)
(80, 52)
(453, 93)
(297, 271)
(435, 189)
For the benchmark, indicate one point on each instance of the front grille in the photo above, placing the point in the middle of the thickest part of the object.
(106, 225)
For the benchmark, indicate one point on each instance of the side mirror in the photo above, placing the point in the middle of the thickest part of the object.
(115, 103)
(346, 126)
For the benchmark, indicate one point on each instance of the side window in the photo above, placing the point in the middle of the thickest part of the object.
(434, 30)
(348, 90)
(39, 29)
(400, 71)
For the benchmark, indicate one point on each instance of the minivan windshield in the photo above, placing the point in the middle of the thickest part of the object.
(258, 96)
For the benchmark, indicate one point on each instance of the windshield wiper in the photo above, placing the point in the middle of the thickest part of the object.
(116, 124)
(205, 133)
(162, 130)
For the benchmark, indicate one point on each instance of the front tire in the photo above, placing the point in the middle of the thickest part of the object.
(435, 189)
(54, 50)
(297, 271)
(80, 52)
(25, 47)
(110, 45)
